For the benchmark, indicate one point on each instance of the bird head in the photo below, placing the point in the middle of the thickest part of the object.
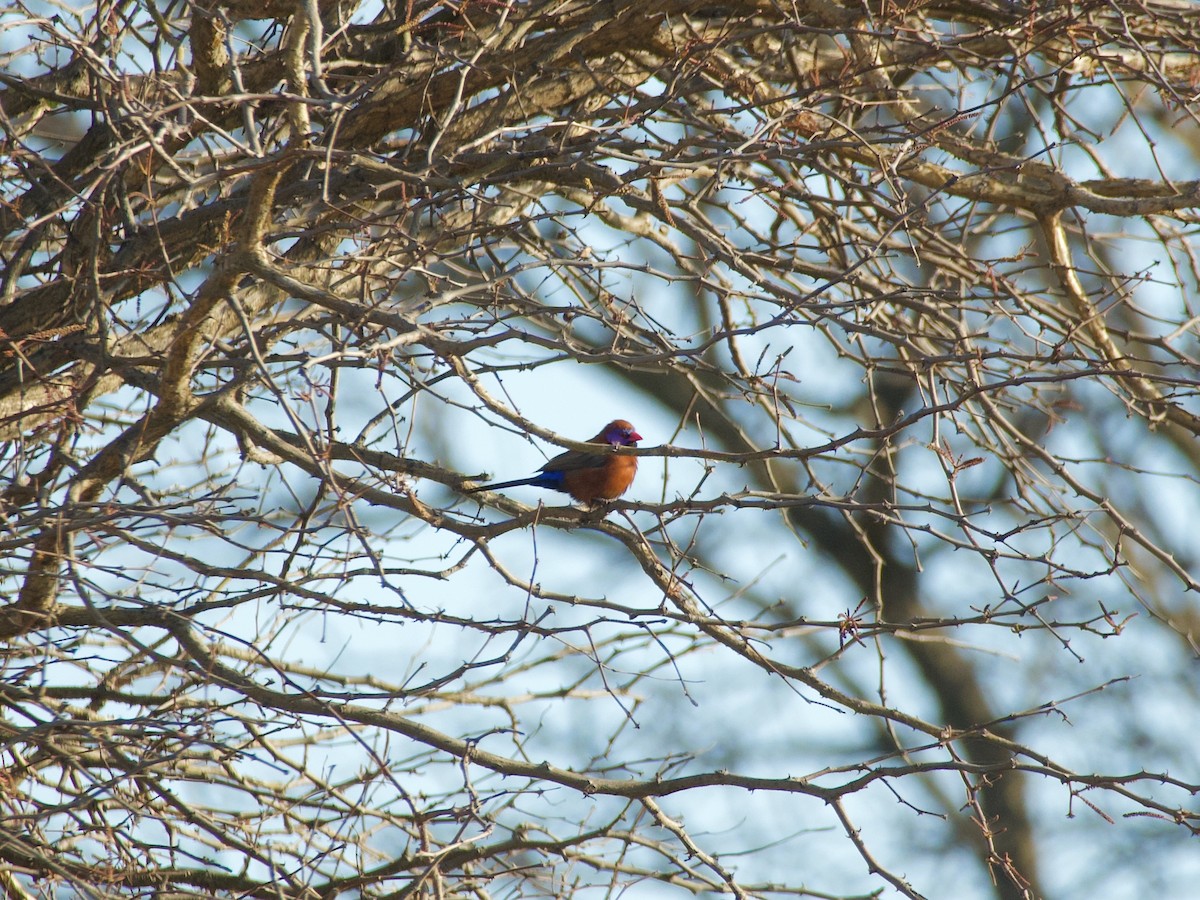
(620, 433)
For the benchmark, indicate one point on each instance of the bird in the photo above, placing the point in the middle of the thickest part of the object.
(587, 477)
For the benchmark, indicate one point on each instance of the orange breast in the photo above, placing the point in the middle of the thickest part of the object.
(608, 482)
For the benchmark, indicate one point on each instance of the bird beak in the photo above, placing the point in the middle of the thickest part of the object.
(635, 437)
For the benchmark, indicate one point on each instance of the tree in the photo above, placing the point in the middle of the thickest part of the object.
(900, 296)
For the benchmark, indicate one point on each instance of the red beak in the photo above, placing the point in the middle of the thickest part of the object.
(635, 436)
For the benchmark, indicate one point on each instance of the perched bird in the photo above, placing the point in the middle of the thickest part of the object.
(587, 477)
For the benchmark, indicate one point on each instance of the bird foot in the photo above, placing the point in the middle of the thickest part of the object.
(596, 510)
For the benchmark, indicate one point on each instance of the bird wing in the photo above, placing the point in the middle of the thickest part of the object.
(575, 459)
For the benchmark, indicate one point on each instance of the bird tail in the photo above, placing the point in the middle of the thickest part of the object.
(500, 485)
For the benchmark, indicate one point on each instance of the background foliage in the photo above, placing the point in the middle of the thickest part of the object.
(901, 296)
